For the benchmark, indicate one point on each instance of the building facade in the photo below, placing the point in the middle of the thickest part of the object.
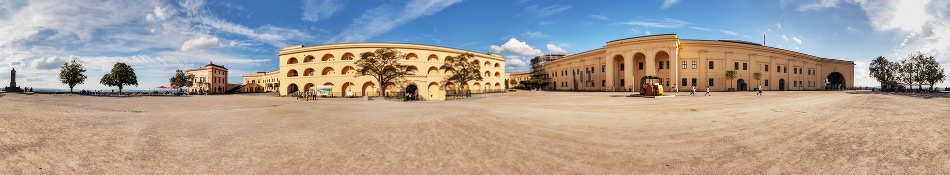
(304, 68)
(212, 79)
(680, 64)
(261, 82)
(519, 77)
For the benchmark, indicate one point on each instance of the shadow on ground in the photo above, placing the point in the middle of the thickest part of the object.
(907, 94)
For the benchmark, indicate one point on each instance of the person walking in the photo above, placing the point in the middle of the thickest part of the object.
(707, 91)
(760, 90)
(693, 93)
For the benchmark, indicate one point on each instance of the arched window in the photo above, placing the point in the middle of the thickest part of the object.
(433, 57)
(292, 60)
(497, 65)
(308, 59)
(347, 70)
(308, 72)
(412, 56)
(327, 71)
(497, 74)
(292, 73)
(327, 57)
(348, 56)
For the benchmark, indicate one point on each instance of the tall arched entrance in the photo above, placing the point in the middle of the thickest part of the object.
(618, 74)
(741, 85)
(292, 88)
(412, 90)
(781, 84)
(834, 81)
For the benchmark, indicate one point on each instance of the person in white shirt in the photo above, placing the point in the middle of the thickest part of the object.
(707, 91)
(693, 93)
(760, 90)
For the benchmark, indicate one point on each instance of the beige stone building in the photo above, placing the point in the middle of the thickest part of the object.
(212, 78)
(519, 76)
(304, 68)
(680, 63)
(261, 82)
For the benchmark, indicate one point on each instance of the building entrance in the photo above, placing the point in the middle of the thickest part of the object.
(741, 85)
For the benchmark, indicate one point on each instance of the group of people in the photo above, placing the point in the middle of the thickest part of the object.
(693, 92)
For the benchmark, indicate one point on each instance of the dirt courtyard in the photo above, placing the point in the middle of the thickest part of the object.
(514, 133)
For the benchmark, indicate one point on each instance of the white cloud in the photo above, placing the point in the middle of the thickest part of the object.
(555, 49)
(514, 62)
(537, 11)
(546, 23)
(785, 38)
(668, 3)
(316, 10)
(658, 23)
(515, 47)
(717, 30)
(647, 32)
(49, 63)
(383, 18)
(799, 41)
(819, 5)
(159, 14)
(599, 17)
(200, 43)
(779, 25)
(853, 30)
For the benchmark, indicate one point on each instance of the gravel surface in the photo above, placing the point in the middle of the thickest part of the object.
(515, 133)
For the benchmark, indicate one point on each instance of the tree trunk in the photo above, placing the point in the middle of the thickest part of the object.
(120, 89)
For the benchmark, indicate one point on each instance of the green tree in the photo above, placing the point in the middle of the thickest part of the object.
(513, 82)
(383, 65)
(757, 76)
(883, 71)
(181, 79)
(464, 67)
(930, 70)
(121, 75)
(731, 75)
(72, 74)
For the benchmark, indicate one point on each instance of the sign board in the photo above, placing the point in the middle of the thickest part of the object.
(324, 90)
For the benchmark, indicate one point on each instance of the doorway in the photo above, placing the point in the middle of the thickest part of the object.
(781, 84)
(741, 85)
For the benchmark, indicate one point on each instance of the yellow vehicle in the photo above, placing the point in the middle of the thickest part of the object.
(650, 85)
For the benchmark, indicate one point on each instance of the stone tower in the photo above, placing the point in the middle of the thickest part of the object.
(13, 87)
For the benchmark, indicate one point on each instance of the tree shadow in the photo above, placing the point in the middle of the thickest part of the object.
(906, 94)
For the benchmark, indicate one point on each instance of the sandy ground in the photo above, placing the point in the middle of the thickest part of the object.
(513, 133)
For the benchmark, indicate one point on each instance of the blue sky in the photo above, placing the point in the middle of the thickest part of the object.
(157, 37)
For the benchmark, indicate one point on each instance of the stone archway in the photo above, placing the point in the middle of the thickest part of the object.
(834, 81)
(741, 85)
(292, 88)
(369, 88)
(433, 91)
(618, 74)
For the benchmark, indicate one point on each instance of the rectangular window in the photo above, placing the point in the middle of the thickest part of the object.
(766, 82)
(711, 63)
(710, 82)
(694, 64)
(621, 66)
(661, 65)
(795, 70)
(603, 83)
(694, 82)
(745, 66)
(621, 82)
(786, 69)
(684, 64)
(668, 64)
(684, 82)
(603, 68)
(766, 67)
(778, 68)
(641, 65)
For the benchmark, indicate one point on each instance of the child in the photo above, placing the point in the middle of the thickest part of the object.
(707, 91)
(693, 93)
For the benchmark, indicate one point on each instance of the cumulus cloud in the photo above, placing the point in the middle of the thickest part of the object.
(537, 11)
(49, 63)
(386, 17)
(668, 3)
(555, 49)
(515, 47)
(159, 14)
(657, 23)
(515, 64)
(316, 10)
(200, 43)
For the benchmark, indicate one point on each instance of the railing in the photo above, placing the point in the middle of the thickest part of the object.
(449, 94)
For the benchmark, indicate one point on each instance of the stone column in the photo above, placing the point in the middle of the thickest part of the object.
(628, 69)
(610, 72)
